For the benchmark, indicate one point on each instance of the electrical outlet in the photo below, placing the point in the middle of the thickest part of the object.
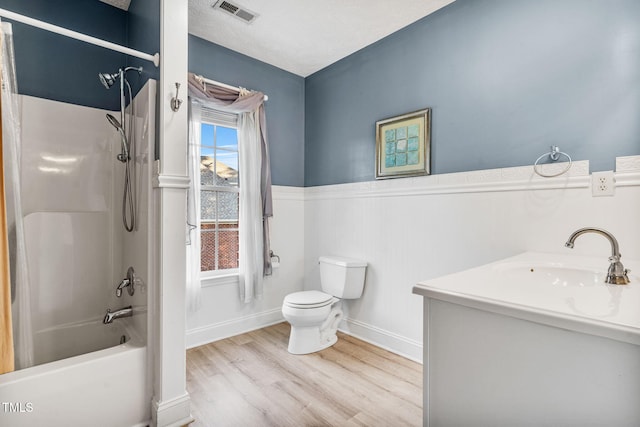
(603, 184)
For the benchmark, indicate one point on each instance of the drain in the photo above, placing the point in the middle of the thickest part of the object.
(123, 339)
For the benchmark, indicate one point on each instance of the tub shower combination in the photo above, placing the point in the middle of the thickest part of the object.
(89, 324)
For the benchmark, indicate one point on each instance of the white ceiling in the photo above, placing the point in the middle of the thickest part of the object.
(304, 36)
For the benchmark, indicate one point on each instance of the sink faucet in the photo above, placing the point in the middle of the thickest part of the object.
(617, 274)
(112, 315)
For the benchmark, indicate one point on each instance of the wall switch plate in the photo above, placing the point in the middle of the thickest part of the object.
(603, 184)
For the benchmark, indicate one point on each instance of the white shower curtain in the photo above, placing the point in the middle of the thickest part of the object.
(11, 136)
(193, 209)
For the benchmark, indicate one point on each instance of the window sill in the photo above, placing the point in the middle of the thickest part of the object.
(207, 281)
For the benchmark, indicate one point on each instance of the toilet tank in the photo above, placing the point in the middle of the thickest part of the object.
(342, 277)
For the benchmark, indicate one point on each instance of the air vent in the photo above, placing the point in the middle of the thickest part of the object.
(236, 10)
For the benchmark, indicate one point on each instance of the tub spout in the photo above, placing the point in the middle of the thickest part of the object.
(112, 315)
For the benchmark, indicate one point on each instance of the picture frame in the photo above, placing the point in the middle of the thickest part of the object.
(403, 145)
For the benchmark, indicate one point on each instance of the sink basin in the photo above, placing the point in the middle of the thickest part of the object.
(553, 275)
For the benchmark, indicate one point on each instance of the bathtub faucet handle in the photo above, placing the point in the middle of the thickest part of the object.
(127, 282)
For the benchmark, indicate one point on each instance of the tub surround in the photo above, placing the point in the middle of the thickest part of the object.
(76, 248)
(545, 331)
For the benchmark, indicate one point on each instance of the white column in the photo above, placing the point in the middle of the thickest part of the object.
(170, 398)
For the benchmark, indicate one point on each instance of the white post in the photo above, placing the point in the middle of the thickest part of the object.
(171, 403)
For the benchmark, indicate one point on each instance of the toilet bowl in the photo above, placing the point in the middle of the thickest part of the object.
(314, 316)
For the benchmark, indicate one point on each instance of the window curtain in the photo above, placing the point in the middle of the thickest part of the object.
(193, 209)
(17, 262)
(255, 179)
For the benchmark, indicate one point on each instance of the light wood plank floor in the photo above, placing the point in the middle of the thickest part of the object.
(252, 381)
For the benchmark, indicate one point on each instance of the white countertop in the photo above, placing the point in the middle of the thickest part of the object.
(565, 291)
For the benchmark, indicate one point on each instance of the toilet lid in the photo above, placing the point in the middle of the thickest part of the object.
(308, 299)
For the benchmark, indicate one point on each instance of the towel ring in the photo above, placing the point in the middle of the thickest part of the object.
(554, 154)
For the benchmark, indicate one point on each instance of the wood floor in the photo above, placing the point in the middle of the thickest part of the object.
(252, 381)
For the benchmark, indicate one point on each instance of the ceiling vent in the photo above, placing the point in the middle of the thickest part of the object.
(236, 10)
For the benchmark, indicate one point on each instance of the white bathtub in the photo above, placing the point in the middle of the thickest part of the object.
(76, 339)
(106, 387)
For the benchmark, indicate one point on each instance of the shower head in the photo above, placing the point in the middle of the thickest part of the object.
(107, 79)
(124, 155)
(114, 122)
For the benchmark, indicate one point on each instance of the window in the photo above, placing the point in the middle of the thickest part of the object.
(219, 193)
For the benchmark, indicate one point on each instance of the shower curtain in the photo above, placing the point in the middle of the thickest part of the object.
(6, 329)
(11, 147)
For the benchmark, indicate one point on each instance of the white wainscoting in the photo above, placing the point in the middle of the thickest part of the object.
(415, 229)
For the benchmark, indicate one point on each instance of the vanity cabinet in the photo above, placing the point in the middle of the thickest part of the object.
(553, 349)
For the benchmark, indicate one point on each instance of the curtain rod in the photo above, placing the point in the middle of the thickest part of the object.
(226, 86)
(79, 36)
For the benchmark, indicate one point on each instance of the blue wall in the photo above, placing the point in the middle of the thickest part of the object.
(143, 34)
(56, 67)
(505, 79)
(284, 109)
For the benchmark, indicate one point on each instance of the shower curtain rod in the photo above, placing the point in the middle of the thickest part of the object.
(79, 36)
(226, 86)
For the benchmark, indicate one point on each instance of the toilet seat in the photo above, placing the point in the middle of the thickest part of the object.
(308, 299)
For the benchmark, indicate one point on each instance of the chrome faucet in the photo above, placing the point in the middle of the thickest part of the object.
(127, 282)
(617, 274)
(112, 315)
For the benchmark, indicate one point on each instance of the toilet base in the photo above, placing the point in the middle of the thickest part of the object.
(305, 340)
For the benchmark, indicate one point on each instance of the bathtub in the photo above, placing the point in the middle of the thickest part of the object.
(105, 386)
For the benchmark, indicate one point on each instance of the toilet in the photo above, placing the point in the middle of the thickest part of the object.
(314, 316)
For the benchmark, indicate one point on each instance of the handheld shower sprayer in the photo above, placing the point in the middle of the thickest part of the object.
(124, 154)
(127, 149)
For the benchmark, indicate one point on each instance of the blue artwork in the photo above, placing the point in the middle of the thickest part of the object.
(401, 146)
(404, 142)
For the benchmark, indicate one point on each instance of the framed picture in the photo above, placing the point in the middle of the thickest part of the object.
(403, 145)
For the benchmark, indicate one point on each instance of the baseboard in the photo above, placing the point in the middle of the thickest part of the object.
(389, 341)
(172, 413)
(217, 331)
